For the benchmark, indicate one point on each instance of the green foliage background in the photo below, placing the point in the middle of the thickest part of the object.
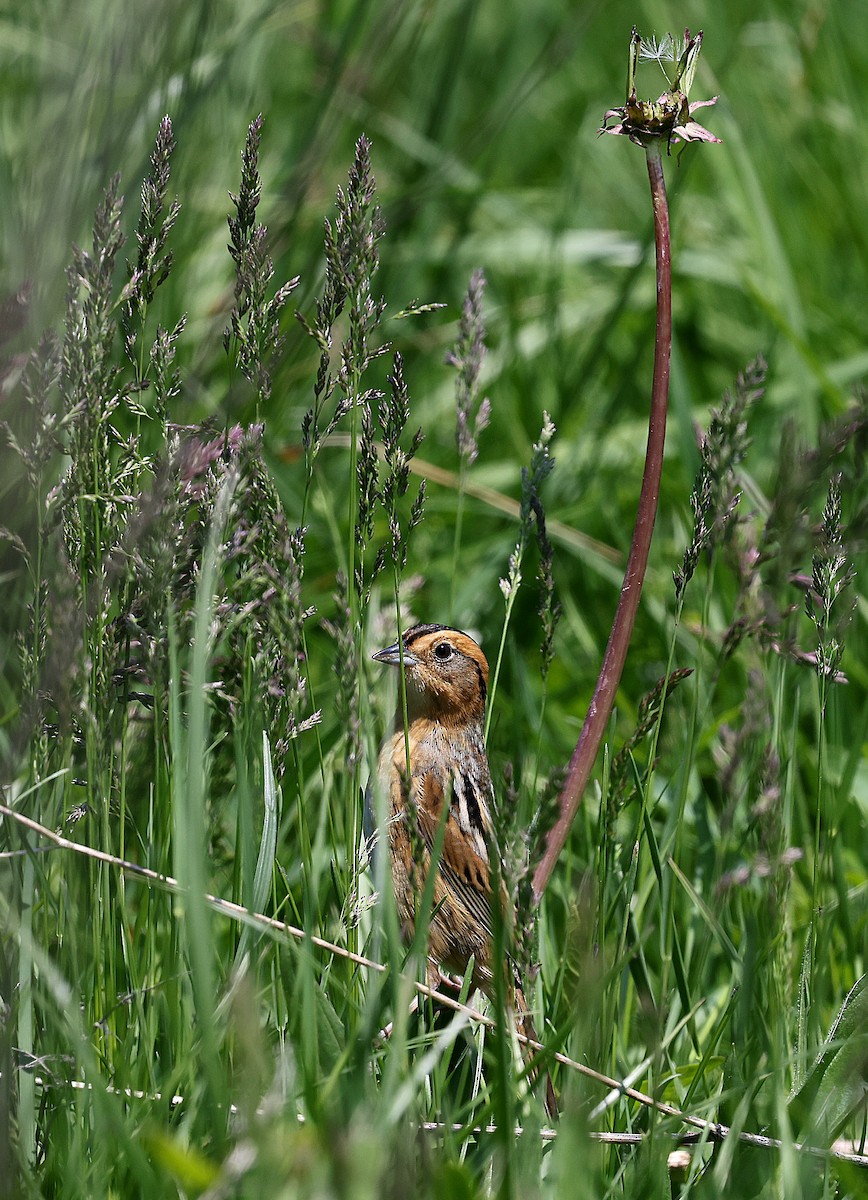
(483, 122)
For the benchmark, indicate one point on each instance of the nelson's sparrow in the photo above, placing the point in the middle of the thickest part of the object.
(446, 683)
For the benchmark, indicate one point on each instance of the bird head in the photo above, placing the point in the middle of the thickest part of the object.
(446, 672)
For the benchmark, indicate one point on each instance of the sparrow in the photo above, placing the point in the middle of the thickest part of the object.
(446, 677)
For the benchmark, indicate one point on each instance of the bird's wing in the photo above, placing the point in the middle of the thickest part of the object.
(464, 871)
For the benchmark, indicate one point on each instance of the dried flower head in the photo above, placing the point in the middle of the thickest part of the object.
(670, 116)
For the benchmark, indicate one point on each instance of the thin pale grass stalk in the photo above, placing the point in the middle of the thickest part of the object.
(467, 357)
(456, 539)
(606, 1137)
(712, 1129)
(832, 574)
(530, 515)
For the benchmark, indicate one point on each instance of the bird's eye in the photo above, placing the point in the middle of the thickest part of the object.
(443, 651)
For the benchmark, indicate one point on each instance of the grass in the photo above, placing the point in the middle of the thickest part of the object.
(186, 682)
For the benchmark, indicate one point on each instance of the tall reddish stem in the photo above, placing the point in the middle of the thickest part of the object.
(602, 702)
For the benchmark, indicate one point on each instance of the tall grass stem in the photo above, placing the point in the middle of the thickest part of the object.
(603, 699)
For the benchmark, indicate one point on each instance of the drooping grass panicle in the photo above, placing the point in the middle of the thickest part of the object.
(715, 497)
(90, 391)
(832, 574)
(532, 479)
(258, 612)
(165, 377)
(532, 517)
(358, 229)
(49, 644)
(771, 549)
(541, 466)
(97, 494)
(266, 595)
(154, 261)
(352, 258)
(512, 845)
(352, 238)
(394, 413)
(253, 333)
(155, 567)
(367, 485)
(787, 531)
(549, 609)
(753, 821)
(328, 308)
(135, 528)
(647, 720)
(522, 847)
(341, 392)
(472, 414)
(749, 774)
(532, 509)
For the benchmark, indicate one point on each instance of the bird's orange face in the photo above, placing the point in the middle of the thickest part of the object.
(446, 672)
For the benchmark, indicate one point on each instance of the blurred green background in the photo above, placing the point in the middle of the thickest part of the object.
(483, 120)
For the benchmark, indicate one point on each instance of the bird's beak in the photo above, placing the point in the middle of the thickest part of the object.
(392, 656)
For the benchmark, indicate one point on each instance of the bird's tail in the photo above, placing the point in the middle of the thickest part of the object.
(524, 1024)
